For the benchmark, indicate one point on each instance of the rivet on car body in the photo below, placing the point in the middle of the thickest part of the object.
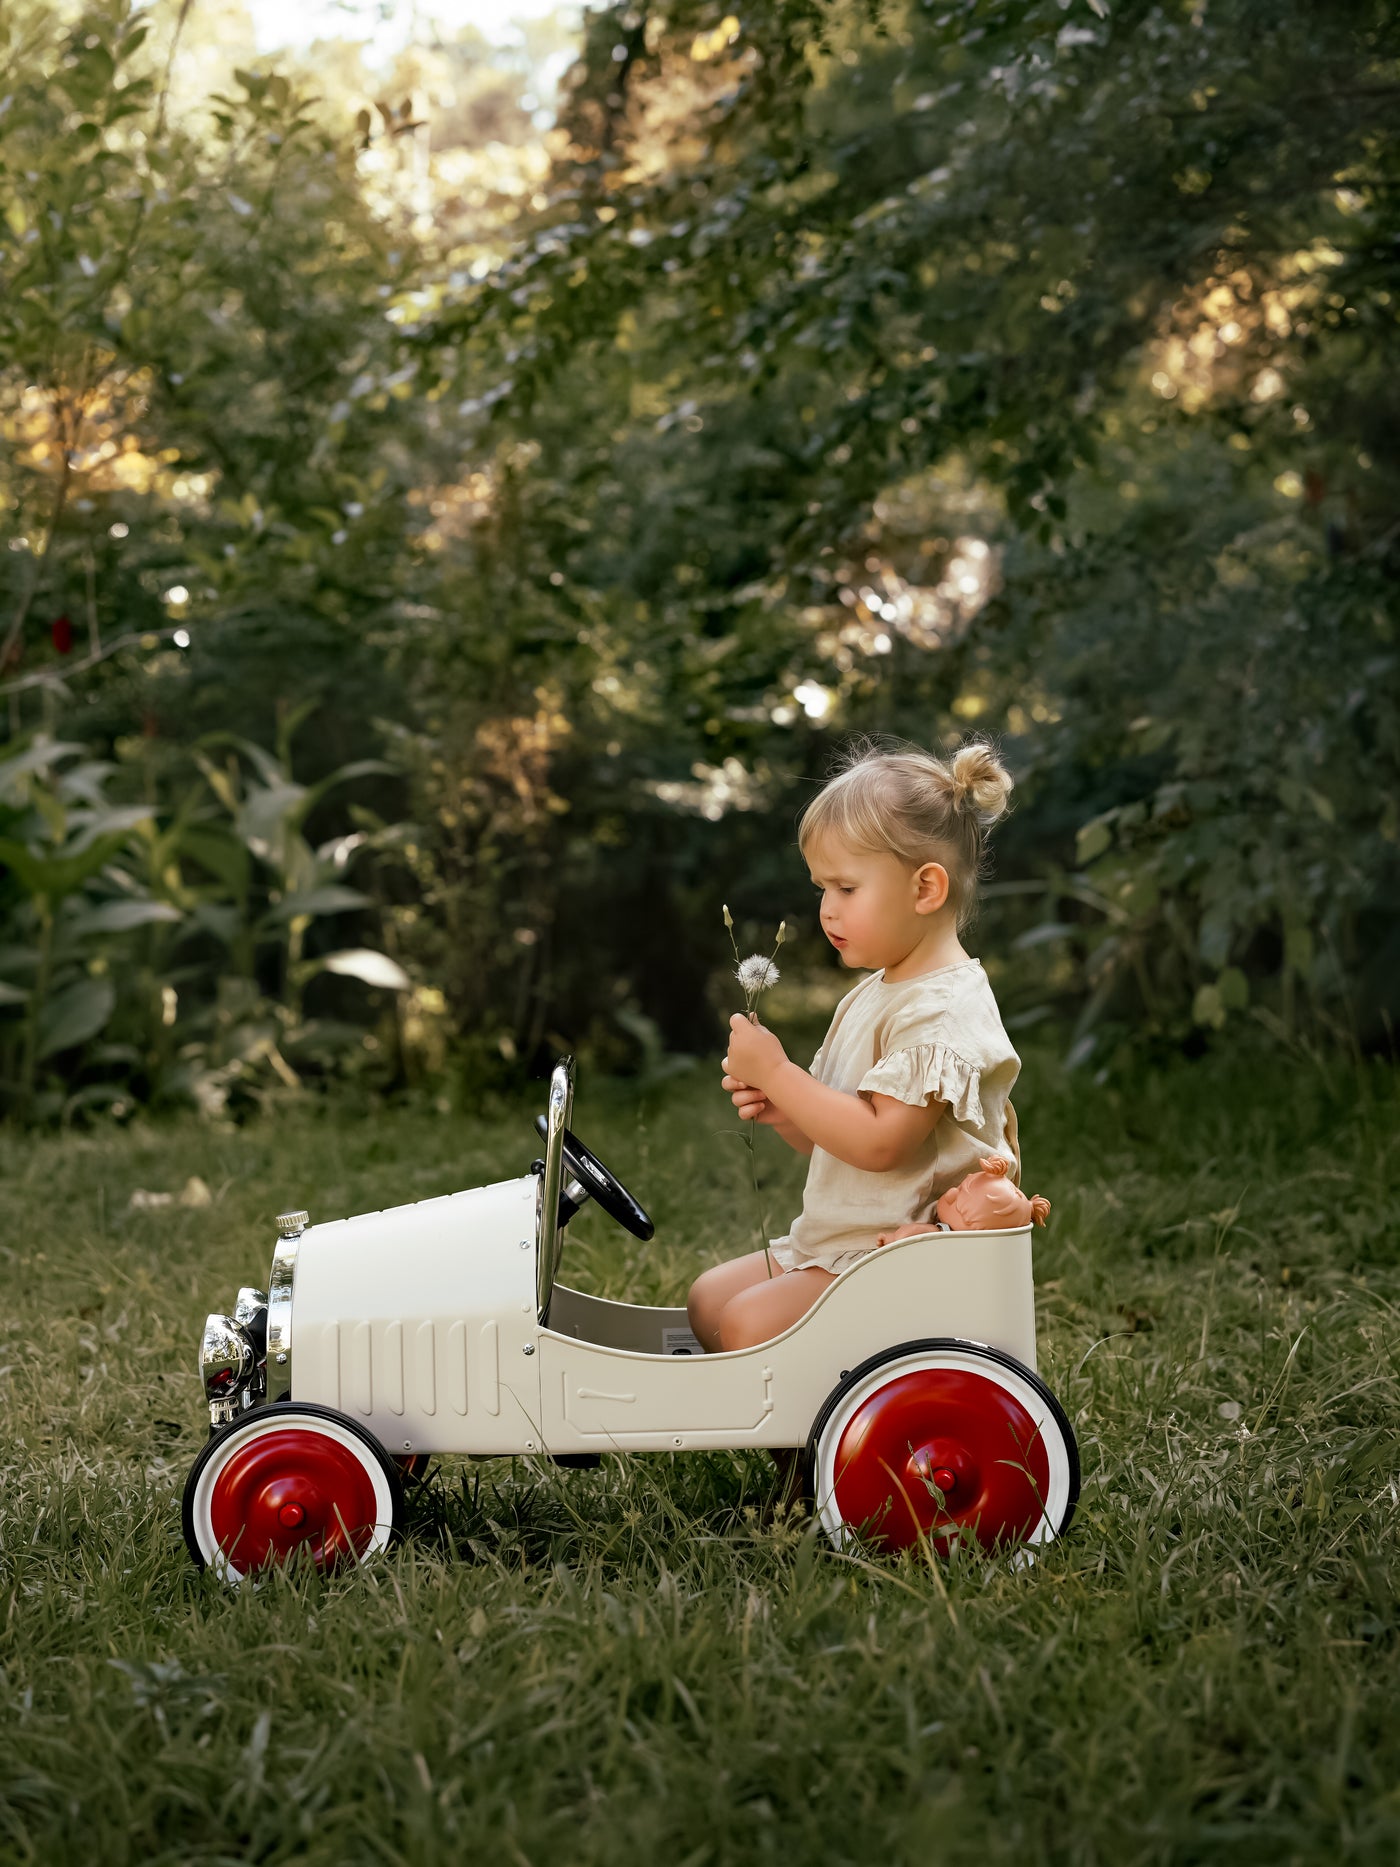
(528, 1349)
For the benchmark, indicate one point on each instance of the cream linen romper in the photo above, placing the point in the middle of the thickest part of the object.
(939, 1035)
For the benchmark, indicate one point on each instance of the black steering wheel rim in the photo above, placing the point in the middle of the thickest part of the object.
(601, 1183)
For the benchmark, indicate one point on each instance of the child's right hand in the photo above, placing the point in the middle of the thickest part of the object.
(905, 1231)
(751, 1103)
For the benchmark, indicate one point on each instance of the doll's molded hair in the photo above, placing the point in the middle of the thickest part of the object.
(995, 1164)
(905, 802)
(1040, 1209)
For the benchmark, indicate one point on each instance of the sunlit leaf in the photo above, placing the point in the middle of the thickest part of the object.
(122, 917)
(370, 968)
(329, 899)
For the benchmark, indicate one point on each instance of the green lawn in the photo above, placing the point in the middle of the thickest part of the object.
(629, 1664)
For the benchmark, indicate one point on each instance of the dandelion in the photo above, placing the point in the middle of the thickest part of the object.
(755, 974)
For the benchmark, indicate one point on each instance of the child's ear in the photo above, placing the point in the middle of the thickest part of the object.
(932, 883)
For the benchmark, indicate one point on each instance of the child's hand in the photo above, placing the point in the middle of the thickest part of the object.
(905, 1231)
(751, 1103)
(755, 1054)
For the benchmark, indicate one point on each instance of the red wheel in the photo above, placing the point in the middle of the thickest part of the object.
(947, 1440)
(288, 1478)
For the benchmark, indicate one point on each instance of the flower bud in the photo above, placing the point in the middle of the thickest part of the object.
(728, 918)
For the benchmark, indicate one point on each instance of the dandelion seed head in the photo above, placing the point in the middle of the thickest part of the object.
(756, 973)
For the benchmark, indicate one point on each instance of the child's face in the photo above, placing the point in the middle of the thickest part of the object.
(873, 908)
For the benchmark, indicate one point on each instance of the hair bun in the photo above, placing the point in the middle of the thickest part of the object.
(981, 783)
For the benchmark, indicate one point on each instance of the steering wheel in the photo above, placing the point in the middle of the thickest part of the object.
(590, 1179)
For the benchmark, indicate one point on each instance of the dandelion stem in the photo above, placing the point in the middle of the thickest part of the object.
(751, 993)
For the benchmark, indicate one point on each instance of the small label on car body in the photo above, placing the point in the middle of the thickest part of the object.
(680, 1342)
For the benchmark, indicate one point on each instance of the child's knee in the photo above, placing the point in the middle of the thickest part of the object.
(744, 1321)
(700, 1308)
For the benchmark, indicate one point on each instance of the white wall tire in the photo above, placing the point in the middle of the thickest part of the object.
(944, 1441)
(288, 1481)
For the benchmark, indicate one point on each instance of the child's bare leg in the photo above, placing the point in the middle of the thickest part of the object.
(760, 1310)
(713, 1288)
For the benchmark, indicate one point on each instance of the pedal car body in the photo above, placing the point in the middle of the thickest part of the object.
(439, 1327)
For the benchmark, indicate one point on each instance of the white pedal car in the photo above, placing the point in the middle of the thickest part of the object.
(439, 1328)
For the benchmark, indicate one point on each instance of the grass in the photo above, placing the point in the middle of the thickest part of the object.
(629, 1664)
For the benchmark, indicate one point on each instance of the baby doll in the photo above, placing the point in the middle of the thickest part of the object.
(986, 1201)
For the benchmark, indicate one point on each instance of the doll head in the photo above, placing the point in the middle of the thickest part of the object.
(988, 1200)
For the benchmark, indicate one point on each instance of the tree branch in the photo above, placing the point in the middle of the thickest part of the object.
(43, 677)
(16, 629)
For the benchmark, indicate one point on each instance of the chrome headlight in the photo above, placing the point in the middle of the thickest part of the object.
(228, 1365)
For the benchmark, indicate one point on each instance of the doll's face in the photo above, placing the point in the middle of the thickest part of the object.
(983, 1202)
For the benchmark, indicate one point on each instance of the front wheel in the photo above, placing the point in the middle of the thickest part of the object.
(947, 1440)
(289, 1478)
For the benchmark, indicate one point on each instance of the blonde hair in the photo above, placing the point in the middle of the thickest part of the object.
(907, 803)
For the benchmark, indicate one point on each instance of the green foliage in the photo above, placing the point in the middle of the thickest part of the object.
(163, 956)
(1065, 263)
(611, 518)
(200, 378)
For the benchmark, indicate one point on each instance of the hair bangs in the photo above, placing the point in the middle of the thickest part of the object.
(849, 811)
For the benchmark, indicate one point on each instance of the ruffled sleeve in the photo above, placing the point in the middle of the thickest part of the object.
(919, 1071)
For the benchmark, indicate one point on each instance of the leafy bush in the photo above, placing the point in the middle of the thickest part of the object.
(160, 954)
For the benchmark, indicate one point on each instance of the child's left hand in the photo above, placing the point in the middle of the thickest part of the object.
(755, 1054)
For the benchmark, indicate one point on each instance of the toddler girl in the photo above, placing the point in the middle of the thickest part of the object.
(910, 1088)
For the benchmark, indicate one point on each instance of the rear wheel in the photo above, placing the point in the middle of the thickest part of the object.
(290, 1478)
(946, 1440)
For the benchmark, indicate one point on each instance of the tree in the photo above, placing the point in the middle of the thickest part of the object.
(1070, 267)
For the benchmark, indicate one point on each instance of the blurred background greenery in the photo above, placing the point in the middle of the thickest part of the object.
(458, 496)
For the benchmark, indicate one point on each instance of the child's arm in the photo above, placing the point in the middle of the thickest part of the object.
(873, 1135)
(800, 1143)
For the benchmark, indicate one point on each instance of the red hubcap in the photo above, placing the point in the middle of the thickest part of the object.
(941, 1430)
(292, 1488)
